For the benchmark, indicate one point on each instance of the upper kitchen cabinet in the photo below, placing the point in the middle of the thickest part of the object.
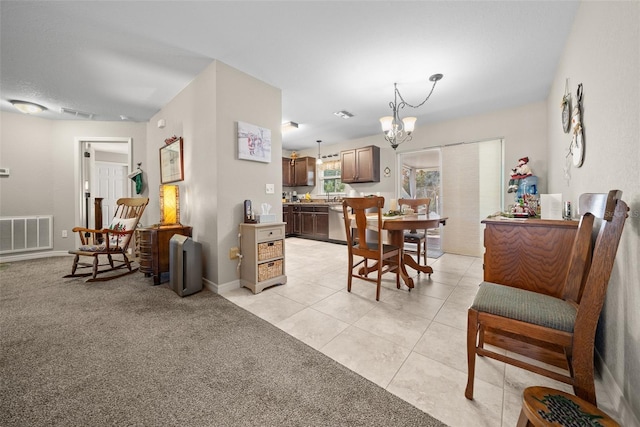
(360, 165)
(301, 173)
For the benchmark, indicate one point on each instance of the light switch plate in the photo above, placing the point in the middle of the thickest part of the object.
(270, 188)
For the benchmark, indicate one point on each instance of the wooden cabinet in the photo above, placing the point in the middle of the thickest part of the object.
(531, 254)
(314, 221)
(154, 249)
(288, 176)
(301, 173)
(263, 249)
(288, 216)
(360, 165)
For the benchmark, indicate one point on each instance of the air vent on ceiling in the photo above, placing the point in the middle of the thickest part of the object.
(76, 113)
(344, 114)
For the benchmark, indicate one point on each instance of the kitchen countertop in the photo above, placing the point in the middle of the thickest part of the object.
(314, 203)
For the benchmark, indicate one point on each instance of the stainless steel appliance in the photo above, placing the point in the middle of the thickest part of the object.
(337, 232)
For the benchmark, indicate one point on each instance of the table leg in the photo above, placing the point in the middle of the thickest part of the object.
(396, 238)
(408, 260)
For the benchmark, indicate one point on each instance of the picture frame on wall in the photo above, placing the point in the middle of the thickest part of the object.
(254, 143)
(171, 162)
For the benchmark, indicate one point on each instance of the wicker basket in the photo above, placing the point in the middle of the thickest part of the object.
(269, 250)
(269, 270)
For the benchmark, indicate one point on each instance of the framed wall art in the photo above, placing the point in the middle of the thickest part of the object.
(254, 143)
(171, 162)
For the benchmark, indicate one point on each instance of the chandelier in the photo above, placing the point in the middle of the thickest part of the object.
(396, 129)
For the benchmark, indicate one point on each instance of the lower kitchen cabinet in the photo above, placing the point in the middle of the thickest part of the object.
(314, 221)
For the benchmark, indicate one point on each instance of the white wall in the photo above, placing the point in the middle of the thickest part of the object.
(44, 175)
(603, 53)
(524, 130)
(216, 182)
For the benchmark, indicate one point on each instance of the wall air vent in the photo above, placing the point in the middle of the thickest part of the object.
(76, 113)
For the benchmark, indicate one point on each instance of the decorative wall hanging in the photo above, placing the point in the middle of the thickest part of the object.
(577, 141)
(254, 143)
(171, 163)
(566, 108)
(136, 177)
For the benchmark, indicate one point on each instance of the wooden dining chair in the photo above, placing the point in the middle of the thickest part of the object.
(362, 214)
(417, 237)
(556, 331)
(109, 242)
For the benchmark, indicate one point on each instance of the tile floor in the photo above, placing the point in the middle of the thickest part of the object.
(413, 344)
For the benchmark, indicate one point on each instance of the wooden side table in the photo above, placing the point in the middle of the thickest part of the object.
(543, 406)
(154, 249)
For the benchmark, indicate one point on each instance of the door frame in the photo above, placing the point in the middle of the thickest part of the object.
(81, 173)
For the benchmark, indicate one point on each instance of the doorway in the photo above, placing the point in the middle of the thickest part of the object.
(420, 178)
(113, 155)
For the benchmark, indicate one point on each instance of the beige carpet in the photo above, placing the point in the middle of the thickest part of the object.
(125, 352)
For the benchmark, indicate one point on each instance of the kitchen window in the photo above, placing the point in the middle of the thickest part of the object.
(329, 178)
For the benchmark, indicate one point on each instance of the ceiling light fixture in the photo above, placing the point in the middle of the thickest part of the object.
(288, 126)
(343, 114)
(397, 130)
(27, 107)
(319, 159)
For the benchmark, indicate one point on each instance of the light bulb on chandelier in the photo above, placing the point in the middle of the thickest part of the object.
(396, 129)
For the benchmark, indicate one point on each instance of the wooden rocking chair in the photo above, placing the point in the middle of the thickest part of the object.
(109, 241)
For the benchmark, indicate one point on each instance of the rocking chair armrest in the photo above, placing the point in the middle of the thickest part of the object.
(111, 231)
(86, 230)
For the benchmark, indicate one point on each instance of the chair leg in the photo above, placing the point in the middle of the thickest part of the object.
(424, 255)
(472, 333)
(399, 260)
(378, 282)
(75, 264)
(583, 382)
(95, 267)
(350, 275)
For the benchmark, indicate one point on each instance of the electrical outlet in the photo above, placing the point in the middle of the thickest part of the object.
(64, 233)
(270, 189)
(234, 253)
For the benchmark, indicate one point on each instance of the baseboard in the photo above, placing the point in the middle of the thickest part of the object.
(218, 289)
(32, 255)
(624, 413)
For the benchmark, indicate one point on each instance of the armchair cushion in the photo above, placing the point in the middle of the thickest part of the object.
(119, 224)
(526, 306)
(414, 235)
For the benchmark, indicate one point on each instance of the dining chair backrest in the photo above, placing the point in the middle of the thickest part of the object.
(357, 209)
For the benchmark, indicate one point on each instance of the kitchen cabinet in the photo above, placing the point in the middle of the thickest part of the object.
(314, 221)
(154, 250)
(288, 215)
(360, 165)
(301, 173)
(287, 173)
(263, 263)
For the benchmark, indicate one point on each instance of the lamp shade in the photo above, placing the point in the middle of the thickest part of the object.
(409, 124)
(169, 204)
(387, 123)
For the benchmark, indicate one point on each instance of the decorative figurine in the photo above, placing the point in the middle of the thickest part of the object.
(521, 171)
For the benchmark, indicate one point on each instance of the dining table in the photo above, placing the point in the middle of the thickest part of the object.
(396, 226)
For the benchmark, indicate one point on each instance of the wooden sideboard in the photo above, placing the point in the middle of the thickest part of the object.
(154, 249)
(531, 254)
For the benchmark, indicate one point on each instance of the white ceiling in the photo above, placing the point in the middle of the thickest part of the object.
(131, 58)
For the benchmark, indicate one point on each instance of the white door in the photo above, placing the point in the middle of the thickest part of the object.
(111, 184)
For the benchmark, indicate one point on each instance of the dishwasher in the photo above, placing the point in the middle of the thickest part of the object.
(337, 232)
